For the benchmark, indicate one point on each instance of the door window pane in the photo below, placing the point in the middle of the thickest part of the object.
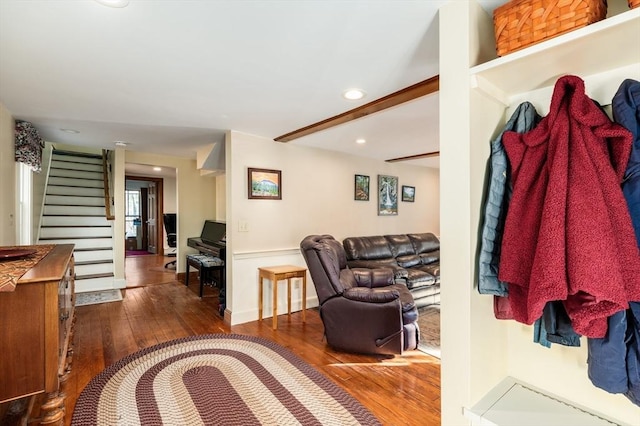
(132, 212)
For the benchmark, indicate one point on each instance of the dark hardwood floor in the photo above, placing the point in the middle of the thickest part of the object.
(402, 390)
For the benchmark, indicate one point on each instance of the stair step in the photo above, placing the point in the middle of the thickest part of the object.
(81, 243)
(79, 174)
(71, 200)
(100, 255)
(91, 276)
(74, 165)
(76, 156)
(94, 283)
(77, 250)
(93, 269)
(75, 232)
(75, 220)
(74, 210)
(76, 227)
(64, 190)
(97, 255)
(82, 183)
(82, 161)
(93, 262)
(79, 238)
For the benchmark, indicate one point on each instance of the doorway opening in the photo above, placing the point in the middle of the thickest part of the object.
(143, 216)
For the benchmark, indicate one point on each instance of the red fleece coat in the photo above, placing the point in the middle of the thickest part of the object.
(568, 234)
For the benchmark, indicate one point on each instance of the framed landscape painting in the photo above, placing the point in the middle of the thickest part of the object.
(264, 184)
(387, 195)
(361, 191)
(408, 193)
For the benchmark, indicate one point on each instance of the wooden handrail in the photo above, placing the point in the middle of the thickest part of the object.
(105, 176)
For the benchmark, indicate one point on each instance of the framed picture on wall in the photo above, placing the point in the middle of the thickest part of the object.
(264, 184)
(361, 190)
(387, 195)
(408, 193)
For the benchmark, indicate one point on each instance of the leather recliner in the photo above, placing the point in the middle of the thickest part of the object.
(362, 310)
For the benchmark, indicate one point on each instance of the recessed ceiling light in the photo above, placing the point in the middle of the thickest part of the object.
(114, 3)
(361, 141)
(157, 169)
(120, 143)
(74, 131)
(353, 94)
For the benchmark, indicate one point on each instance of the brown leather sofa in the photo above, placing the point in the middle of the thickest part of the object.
(362, 310)
(414, 258)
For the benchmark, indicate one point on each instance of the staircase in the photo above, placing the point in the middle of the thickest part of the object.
(74, 213)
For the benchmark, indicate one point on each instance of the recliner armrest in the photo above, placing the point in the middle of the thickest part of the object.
(401, 273)
(379, 277)
(370, 295)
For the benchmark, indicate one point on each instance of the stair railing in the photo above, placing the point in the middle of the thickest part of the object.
(107, 176)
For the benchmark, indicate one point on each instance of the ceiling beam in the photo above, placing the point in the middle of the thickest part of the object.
(410, 93)
(414, 157)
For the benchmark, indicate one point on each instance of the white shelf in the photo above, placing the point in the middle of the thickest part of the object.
(605, 45)
(512, 403)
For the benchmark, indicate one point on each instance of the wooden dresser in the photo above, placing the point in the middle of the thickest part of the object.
(36, 321)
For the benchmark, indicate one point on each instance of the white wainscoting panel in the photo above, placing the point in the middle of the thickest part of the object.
(245, 285)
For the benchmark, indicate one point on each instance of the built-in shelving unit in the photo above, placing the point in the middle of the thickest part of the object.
(600, 47)
(494, 374)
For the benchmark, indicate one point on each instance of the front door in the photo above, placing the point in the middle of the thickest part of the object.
(152, 214)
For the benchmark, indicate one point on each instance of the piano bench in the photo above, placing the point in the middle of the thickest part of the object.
(205, 264)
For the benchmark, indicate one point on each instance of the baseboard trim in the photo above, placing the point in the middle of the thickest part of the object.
(236, 318)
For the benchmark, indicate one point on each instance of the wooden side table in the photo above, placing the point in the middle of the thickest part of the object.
(279, 273)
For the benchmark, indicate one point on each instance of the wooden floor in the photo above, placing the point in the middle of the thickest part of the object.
(142, 271)
(403, 390)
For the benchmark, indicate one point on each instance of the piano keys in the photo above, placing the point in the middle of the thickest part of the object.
(212, 241)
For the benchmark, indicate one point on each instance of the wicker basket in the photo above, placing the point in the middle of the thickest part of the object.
(521, 23)
(633, 3)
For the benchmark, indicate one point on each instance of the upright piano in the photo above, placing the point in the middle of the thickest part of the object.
(213, 241)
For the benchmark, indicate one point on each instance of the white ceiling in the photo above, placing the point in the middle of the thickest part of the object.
(170, 76)
(133, 169)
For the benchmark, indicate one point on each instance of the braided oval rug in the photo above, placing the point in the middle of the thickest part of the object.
(216, 379)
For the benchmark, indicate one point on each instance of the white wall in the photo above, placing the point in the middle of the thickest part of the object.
(460, 381)
(221, 198)
(7, 178)
(119, 209)
(169, 205)
(317, 198)
(169, 195)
